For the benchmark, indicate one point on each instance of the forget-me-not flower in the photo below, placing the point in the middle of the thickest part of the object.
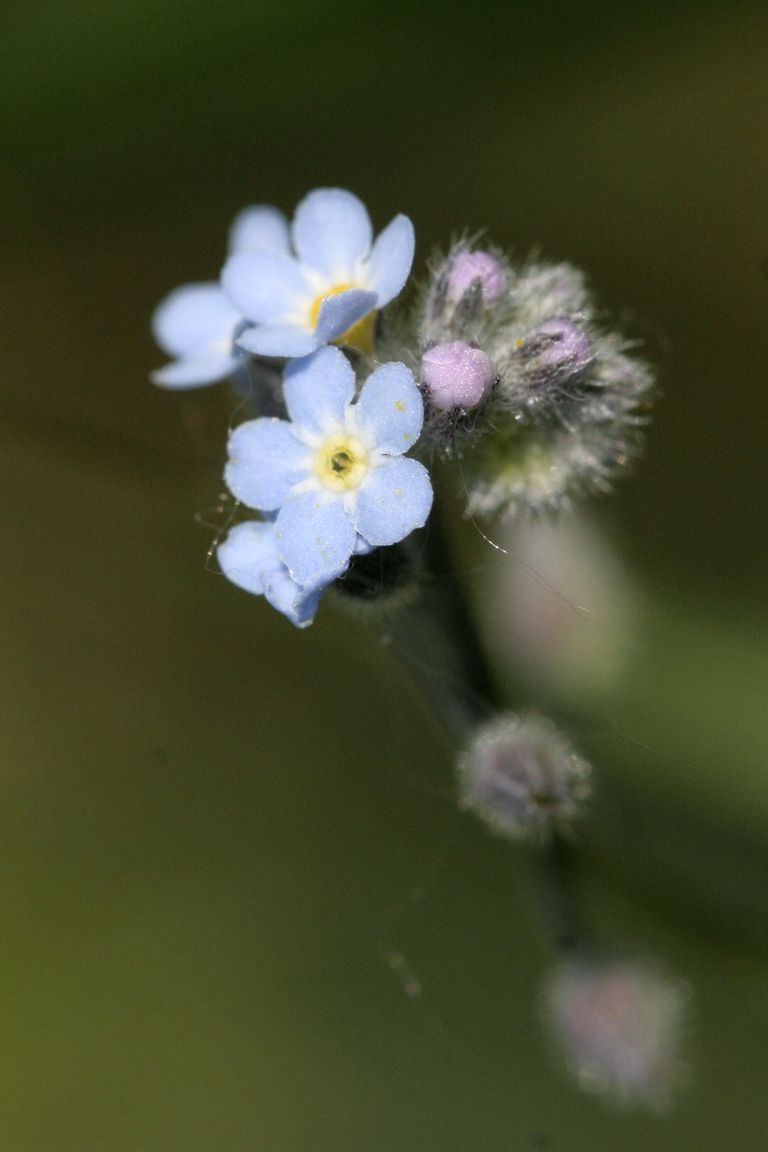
(319, 279)
(249, 558)
(336, 470)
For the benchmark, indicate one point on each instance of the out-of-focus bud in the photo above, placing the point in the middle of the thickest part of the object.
(456, 375)
(482, 268)
(619, 1025)
(522, 777)
(560, 607)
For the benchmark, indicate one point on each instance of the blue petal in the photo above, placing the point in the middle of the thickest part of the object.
(266, 461)
(278, 340)
(332, 232)
(297, 603)
(318, 388)
(395, 498)
(390, 411)
(193, 373)
(267, 287)
(391, 259)
(315, 537)
(248, 555)
(340, 311)
(193, 316)
(260, 228)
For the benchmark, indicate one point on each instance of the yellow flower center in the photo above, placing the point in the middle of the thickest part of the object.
(360, 335)
(341, 463)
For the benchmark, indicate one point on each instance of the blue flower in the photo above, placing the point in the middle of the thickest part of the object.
(335, 472)
(196, 324)
(334, 278)
(249, 558)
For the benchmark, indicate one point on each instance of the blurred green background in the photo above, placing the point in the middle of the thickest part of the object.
(211, 823)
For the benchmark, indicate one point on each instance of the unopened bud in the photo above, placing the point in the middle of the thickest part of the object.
(522, 777)
(619, 1025)
(564, 609)
(456, 375)
(478, 267)
(555, 352)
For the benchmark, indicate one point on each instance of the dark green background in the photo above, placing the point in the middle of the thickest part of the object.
(207, 817)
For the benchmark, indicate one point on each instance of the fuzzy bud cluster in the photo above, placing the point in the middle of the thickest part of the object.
(562, 413)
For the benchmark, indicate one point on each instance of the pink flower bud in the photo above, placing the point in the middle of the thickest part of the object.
(468, 267)
(619, 1024)
(456, 375)
(557, 349)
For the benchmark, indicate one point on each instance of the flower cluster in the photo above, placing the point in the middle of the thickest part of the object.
(561, 404)
(508, 369)
(505, 365)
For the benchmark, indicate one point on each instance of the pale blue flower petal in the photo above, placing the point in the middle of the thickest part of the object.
(260, 228)
(390, 411)
(278, 340)
(391, 259)
(266, 462)
(267, 287)
(332, 232)
(248, 557)
(394, 500)
(193, 373)
(318, 388)
(297, 603)
(315, 537)
(340, 311)
(193, 316)
(249, 554)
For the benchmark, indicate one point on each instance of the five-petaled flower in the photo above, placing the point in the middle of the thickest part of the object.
(328, 288)
(334, 475)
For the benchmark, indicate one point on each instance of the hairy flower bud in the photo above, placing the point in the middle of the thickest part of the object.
(561, 424)
(541, 291)
(619, 1024)
(556, 351)
(468, 268)
(522, 777)
(456, 375)
(464, 298)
